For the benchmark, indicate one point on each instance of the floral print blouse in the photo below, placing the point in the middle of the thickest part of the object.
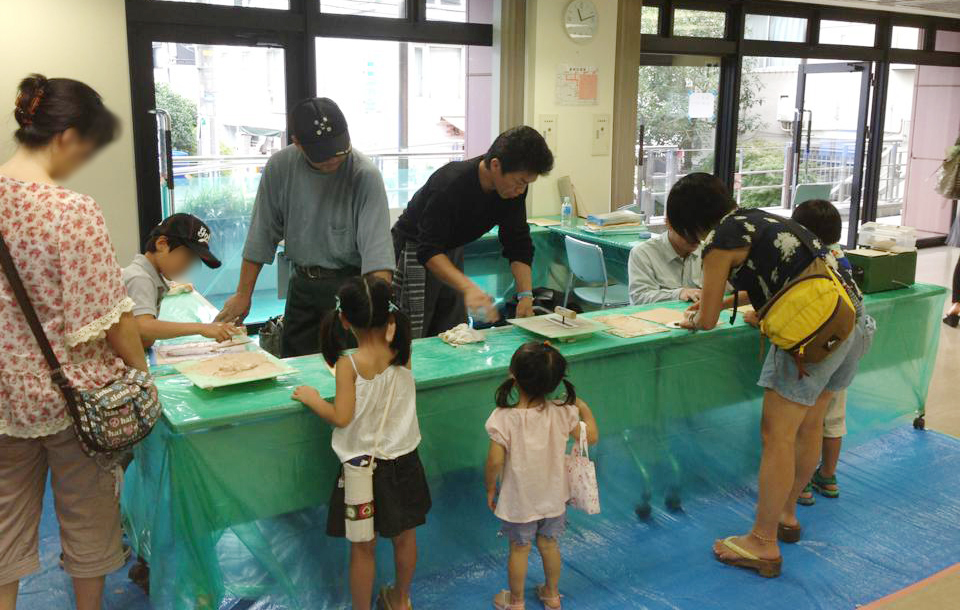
(59, 243)
(776, 254)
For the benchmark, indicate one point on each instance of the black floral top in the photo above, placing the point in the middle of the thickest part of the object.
(776, 254)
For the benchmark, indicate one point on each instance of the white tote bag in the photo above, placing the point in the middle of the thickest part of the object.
(582, 476)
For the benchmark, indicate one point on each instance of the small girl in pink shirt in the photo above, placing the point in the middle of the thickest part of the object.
(528, 438)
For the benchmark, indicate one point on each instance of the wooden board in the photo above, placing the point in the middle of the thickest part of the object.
(661, 315)
(196, 370)
(544, 326)
(172, 353)
(629, 327)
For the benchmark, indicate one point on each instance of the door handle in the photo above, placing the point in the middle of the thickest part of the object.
(809, 128)
(166, 135)
(640, 135)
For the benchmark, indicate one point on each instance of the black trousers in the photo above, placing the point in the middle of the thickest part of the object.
(956, 283)
(308, 301)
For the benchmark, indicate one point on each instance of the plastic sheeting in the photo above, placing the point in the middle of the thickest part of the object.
(866, 545)
(226, 497)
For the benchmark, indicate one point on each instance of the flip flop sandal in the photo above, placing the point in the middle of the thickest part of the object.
(501, 601)
(789, 533)
(549, 601)
(819, 481)
(768, 568)
(804, 499)
(384, 600)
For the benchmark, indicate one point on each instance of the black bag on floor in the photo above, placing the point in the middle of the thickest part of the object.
(271, 334)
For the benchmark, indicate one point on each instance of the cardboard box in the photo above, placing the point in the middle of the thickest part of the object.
(877, 271)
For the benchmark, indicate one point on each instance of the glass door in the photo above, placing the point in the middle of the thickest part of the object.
(221, 113)
(830, 137)
(676, 124)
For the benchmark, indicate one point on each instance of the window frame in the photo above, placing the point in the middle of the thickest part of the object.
(733, 47)
(294, 29)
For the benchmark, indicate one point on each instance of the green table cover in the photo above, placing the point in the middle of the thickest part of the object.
(239, 477)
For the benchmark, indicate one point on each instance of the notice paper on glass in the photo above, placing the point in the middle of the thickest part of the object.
(576, 85)
(702, 105)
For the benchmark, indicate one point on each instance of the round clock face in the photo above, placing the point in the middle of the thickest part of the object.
(580, 19)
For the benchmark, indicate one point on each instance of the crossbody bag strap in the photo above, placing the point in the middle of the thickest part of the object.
(801, 233)
(386, 412)
(20, 292)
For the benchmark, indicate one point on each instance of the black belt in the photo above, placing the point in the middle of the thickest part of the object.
(316, 272)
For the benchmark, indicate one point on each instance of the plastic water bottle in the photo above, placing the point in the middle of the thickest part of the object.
(566, 212)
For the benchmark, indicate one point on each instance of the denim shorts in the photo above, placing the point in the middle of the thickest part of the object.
(834, 374)
(522, 534)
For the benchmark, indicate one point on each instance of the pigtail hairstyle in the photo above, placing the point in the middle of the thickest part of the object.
(402, 336)
(538, 369)
(366, 303)
(503, 393)
(45, 108)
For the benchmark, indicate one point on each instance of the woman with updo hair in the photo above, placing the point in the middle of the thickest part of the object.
(59, 244)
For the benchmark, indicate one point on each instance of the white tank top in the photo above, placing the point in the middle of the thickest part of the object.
(394, 386)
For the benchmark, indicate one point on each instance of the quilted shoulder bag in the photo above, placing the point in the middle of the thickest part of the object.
(108, 420)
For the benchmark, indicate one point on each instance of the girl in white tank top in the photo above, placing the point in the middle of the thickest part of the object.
(374, 414)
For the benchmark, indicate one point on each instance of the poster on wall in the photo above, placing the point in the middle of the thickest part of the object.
(576, 85)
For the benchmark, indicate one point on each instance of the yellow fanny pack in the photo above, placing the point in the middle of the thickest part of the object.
(811, 316)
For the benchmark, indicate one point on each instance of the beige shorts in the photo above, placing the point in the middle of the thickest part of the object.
(835, 422)
(87, 509)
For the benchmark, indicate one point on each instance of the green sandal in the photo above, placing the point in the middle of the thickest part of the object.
(819, 482)
(806, 496)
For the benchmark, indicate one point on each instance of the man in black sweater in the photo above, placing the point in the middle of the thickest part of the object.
(459, 203)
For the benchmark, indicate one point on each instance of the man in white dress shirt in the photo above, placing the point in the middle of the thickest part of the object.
(665, 267)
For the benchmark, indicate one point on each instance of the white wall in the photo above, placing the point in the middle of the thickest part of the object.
(934, 128)
(85, 40)
(548, 46)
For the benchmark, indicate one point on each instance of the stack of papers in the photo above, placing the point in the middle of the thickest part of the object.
(621, 222)
(638, 229)
(615, 218)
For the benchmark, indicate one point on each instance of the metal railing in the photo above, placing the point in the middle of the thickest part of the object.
(239, 175)
(764, 172)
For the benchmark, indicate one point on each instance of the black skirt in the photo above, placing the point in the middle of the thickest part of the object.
(401, 498)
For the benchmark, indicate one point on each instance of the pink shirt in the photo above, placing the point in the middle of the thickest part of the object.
(534, 482)
(59, 243)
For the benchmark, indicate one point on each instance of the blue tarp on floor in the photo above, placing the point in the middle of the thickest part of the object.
(895, 524)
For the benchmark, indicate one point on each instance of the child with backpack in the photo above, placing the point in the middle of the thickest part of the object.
(381, 488)
(528, 437)
(823, 220)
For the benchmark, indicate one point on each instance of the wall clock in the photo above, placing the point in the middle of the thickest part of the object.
(580, 20)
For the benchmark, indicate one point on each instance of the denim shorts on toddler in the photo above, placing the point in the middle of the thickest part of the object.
(523, 533)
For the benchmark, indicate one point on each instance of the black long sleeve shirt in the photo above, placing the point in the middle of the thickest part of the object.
(452, 210)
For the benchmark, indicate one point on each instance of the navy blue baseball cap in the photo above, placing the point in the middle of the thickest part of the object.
(320, 128)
